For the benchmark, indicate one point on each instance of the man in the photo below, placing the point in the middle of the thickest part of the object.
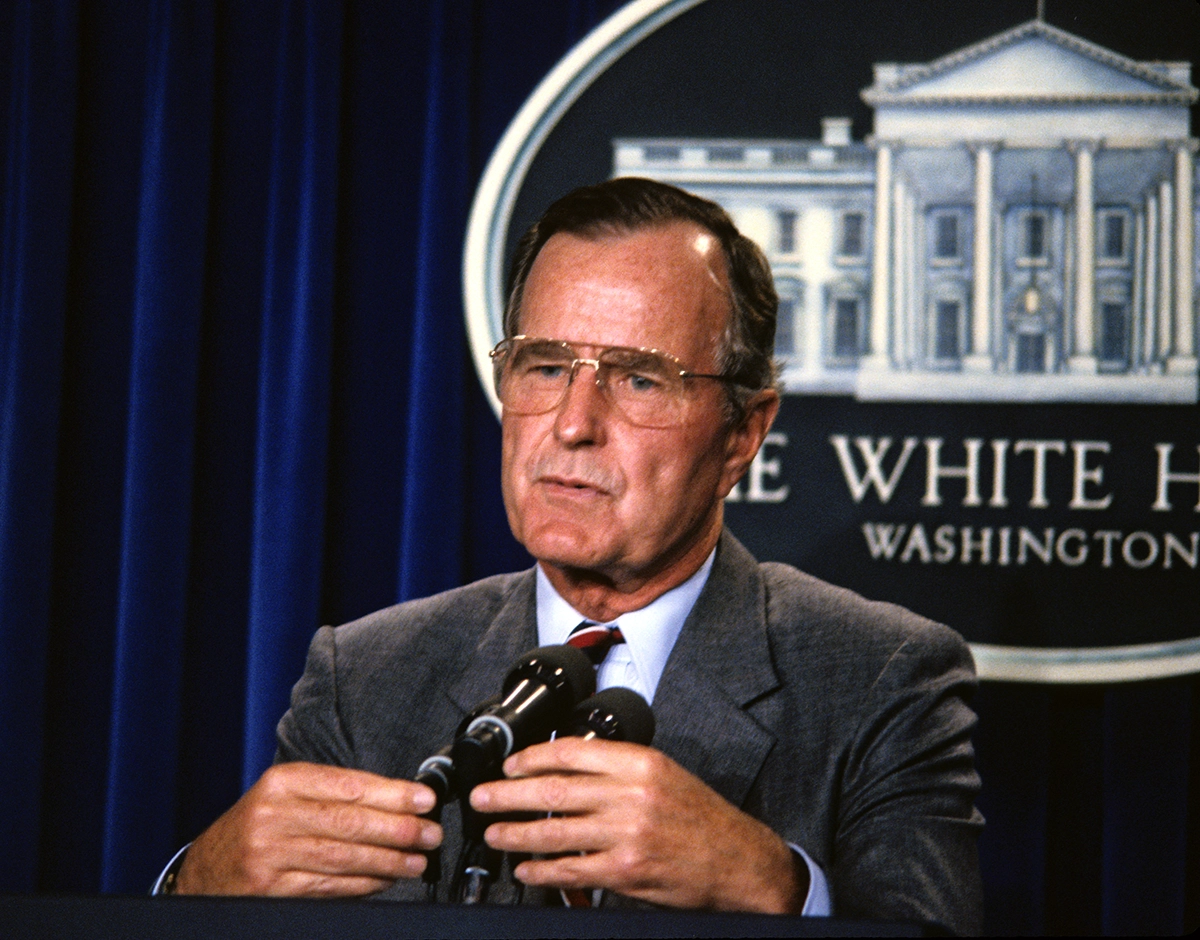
(811, 745)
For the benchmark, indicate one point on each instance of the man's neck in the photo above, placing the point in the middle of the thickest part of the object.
(603, 598)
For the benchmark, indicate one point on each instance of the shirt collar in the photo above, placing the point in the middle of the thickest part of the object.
(650, 633)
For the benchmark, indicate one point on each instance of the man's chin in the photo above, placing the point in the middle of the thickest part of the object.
(570, 551)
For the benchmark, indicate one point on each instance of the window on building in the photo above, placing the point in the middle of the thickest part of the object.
(851, 243)
(946, 329)
(1114, 329)
(1113, 236)
(785, 219)
(785, 328)
(945, 235)
(664, 152)
(1034, 233)
(726, 154)
(1031, 352)
(845, 327)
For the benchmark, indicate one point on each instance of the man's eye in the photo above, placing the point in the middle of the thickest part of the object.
(545, 370)
(642, 382)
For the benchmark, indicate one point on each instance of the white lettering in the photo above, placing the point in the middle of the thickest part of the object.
(872, 454)
(762, 467)
(934, 471)
(1038, 499)
(944, 537)
(1084, 474)
(1060, 547)
(1151, 553)
(983, 543)
(918, 544)
(1005, 533)
(1027, 540)
(1166, 477)
(1172, 544)
(1107, 536)
(883, 538)
(999, 467)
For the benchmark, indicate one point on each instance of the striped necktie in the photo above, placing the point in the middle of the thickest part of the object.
(595, 639)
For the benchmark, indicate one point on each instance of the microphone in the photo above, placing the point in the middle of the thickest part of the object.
(538, 693)
(616, 714)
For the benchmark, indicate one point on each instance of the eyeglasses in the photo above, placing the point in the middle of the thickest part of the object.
(647, 387)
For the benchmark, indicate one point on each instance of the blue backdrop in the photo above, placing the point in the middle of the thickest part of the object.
(237, 403)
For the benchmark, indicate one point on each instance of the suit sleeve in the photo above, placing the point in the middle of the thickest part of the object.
(311, 729)
(907, 829)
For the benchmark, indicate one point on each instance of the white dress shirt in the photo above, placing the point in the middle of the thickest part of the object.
(638, 663)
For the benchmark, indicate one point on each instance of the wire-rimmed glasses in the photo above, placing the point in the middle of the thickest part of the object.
(647, 387)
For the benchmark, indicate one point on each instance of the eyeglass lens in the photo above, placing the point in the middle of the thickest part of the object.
(644, 386)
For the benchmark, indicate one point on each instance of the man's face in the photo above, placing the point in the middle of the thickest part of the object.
(585, 490)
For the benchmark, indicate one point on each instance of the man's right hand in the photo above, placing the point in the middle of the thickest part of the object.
(309, 829)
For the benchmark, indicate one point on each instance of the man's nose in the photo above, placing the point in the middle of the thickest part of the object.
(584, 407)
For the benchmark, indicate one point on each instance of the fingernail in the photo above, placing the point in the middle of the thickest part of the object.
(481, 798)
(431, 837)
(415, 864)
(423, 800)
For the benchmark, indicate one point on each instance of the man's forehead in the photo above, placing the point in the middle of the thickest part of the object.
(637, 288)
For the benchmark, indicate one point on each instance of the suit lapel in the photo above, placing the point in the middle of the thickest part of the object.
(511, 633)
(721, 663)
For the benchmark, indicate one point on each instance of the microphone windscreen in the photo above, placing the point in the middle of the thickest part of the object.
(618, 714)
(566, 663)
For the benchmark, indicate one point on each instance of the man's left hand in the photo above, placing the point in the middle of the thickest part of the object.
(648, 829)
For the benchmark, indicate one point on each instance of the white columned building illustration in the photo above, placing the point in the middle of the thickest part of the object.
(1021, 226)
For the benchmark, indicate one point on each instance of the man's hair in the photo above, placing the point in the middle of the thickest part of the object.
(629, 204)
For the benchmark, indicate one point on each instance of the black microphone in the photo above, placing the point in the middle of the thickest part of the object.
(538, 694)
(616, 714)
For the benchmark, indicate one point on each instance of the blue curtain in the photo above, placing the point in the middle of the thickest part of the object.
(237, 400)
(237, 403)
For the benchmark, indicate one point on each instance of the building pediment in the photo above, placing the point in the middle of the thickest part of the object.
(1035, 63)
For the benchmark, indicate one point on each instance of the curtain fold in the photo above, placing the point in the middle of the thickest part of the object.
(38, 75)
(167, 280)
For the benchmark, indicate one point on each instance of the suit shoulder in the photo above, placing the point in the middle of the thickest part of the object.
(418, 627)
(832, 620)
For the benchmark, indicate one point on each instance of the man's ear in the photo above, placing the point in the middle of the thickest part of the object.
(747, 436)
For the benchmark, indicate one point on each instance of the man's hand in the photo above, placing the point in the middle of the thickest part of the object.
(650, 830)
(308, 829)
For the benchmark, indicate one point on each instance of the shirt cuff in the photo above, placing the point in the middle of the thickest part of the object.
(165, 883)
(817, 903)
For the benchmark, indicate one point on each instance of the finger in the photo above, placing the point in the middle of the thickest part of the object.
(344, 784)
(363, 825)
(576, 755)
(551, 793)
(552, 836)
(568, 871)
(329, 858)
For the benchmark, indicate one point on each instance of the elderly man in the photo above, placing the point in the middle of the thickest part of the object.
(813, 748)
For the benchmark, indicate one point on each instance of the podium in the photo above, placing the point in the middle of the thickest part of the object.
(185, 918)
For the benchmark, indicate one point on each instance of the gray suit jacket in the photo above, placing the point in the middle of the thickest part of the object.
(841, 723)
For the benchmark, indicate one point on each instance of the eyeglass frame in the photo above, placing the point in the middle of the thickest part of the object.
(503, 347)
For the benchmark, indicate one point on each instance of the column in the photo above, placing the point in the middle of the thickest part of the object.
(1151, 348)
(1083, 356)
(1137, 320)
(1183, 349)
(1166, 227)
(979, 356)
(881, 269)
(901, 301)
